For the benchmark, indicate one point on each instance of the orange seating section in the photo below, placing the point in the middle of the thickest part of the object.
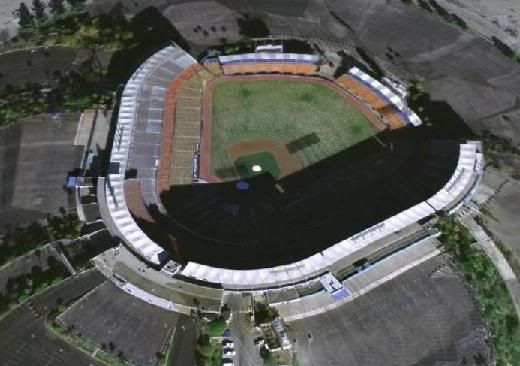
(270, 67)
(388, 112)
(214, 68)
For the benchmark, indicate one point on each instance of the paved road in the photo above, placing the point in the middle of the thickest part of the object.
(243, 335)
(25, 340)
(126, 265)
(183, 343)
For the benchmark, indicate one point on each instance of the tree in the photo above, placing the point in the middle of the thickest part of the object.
(56, 7)
(26, 18)
(4, 36)
(37, 276)
(76, 3)
(38, 8)
(204, 347)
(225, 312)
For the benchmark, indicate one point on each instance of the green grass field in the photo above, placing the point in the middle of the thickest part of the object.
(284, 111)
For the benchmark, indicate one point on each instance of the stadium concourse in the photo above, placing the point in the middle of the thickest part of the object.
(158, 135)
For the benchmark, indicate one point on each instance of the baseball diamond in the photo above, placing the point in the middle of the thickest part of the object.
(308, 118)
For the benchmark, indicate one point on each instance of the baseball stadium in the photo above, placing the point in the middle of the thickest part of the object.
(258, 169)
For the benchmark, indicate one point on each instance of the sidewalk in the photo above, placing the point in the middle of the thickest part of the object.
(361, 283)
(135, 277)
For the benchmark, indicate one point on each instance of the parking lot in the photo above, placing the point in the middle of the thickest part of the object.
(24, 338)
(242, 335)
(424, 316)
(122, 323)
(40, 65)
(68, 291)
(35, 156)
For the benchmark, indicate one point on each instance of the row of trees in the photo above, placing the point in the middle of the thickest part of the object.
(73, 25)
(19, 240)
(90, 83)
(488, 287)
(39, 13)
(19, 288)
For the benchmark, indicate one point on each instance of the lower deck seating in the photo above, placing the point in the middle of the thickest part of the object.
(388, 112)
(180, 136)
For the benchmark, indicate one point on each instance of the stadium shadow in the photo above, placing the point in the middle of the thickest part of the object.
(252, 27)
(152, 32)
(276, 222)
(439, 116)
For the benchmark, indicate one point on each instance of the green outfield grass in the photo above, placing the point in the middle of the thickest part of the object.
(284, 111)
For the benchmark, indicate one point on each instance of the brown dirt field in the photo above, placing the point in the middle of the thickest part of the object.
(288, 163)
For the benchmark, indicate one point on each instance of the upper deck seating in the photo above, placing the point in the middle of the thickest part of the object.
(254, 63)
(136, 145)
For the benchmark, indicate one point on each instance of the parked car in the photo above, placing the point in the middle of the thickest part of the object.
(229, 352)
(228, 343)
(227, 333)
(259, 341)
(227, 362)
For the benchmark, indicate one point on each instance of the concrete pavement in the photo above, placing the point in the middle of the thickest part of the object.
(243, 335)
(361, 283)
(120, 264)
(183, 343)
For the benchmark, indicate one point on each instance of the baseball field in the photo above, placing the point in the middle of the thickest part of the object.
(298, 122)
